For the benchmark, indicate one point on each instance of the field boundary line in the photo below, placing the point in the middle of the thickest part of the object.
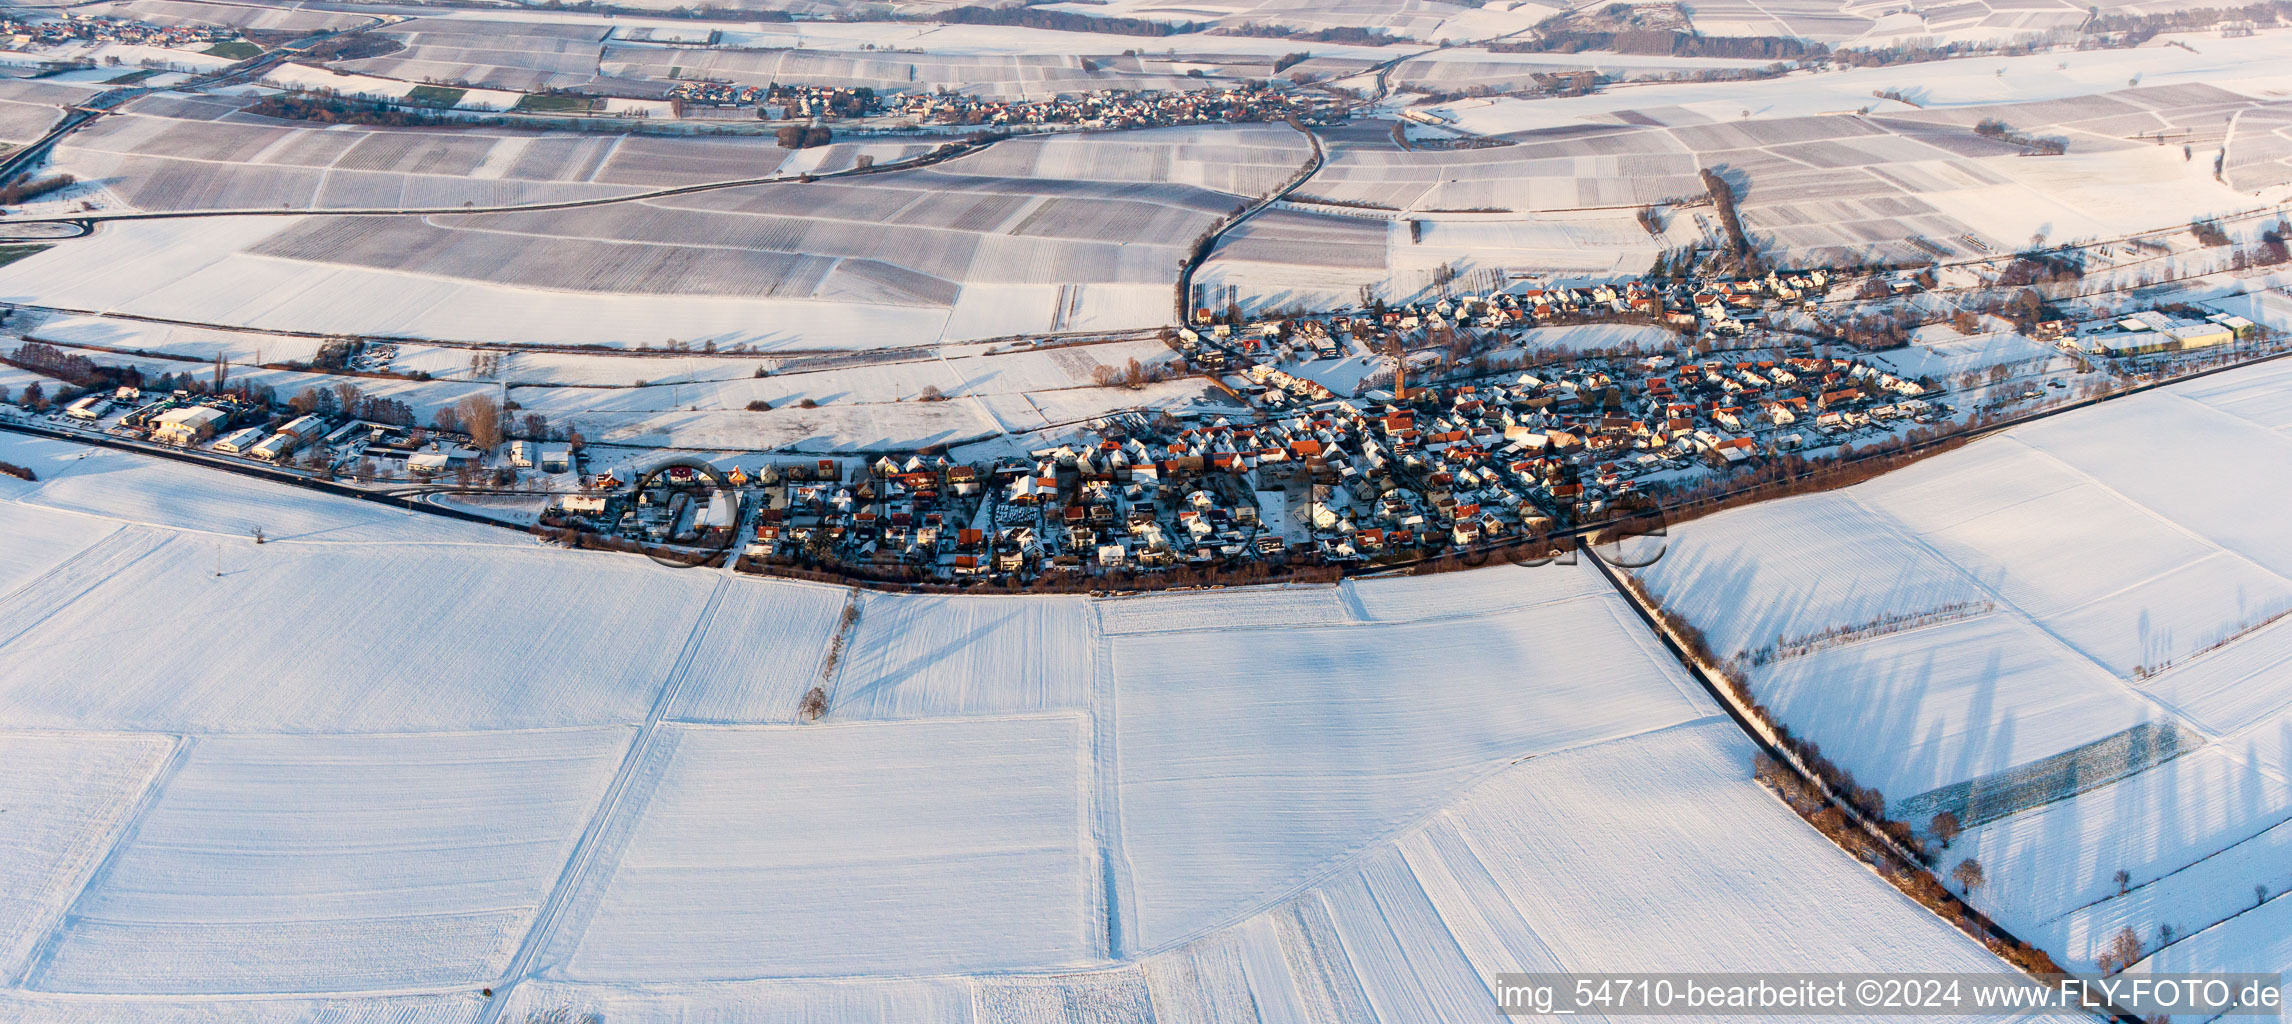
(571, 880)
(123, 832)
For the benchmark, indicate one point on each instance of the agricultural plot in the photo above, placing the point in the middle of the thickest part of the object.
(108, 335)
(995, 247)
(2259, 147)
(321, 863)
(125, 487)
(1243, 159)
(941, 657)
(519, 56)
(853, 256)
(42, 540)
(1229, 792)
(866, 384)
(173, 163)
(1816, 184)
(854, 428)
(2070, 634)
(1241, 608)
(1640, 804)
(763, 645)
(24, 122)
(774, 853)
(230, 287)
(171, 13)
(417, 663)
(67, 795)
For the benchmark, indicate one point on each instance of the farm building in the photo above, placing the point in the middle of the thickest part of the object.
(238, 442)
(305, 429)
(2150, 331)
(556, 458)
(275, 447)
(186, 426)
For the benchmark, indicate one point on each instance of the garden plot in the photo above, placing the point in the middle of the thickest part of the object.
(1231, 792)
(340, 636)
(334, 863)
(66, 796)
(927, 657)
(848, 849)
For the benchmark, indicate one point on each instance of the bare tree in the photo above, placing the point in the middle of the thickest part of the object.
(1945, 828)
(2124, 880)
(815, 704)
(1968, 875)
(2123, 950)
(481, 416)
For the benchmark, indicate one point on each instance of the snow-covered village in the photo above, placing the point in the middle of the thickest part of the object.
(1378, 512)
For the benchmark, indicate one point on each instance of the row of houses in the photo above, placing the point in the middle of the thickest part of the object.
(1339, 480)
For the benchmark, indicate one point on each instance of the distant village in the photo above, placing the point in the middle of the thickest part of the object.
(1097, 108)
(86, 28)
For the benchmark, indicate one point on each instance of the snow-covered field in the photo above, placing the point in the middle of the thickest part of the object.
(362, 775)
(2032, 597)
